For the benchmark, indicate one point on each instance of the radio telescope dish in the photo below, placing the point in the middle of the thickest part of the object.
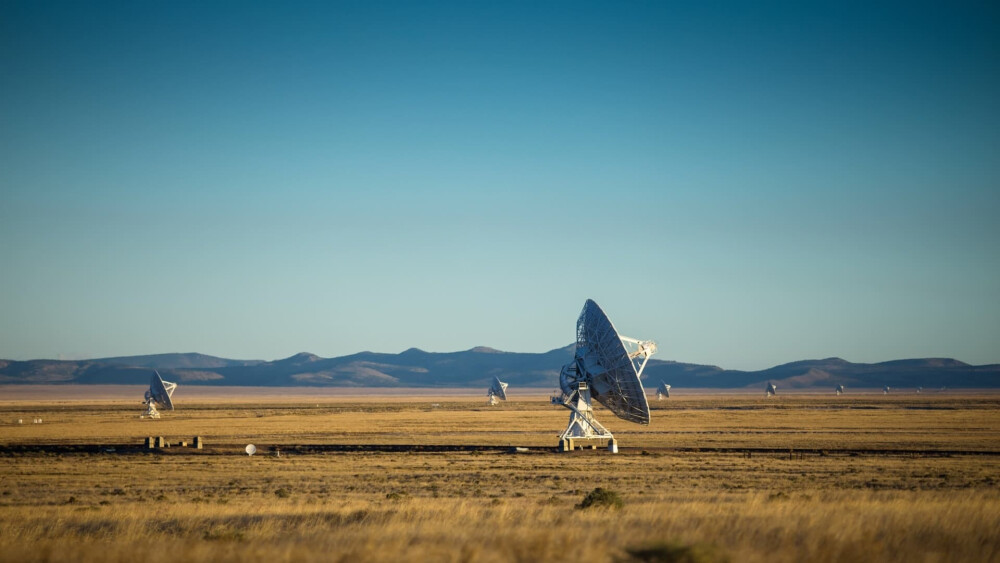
(840, 389)
(606, 367)
(497, 390)
(251, 449)
(159, 393)
(663, 391)
(771, 390)
(885, 390)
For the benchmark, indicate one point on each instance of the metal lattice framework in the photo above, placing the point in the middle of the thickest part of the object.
(606, 367)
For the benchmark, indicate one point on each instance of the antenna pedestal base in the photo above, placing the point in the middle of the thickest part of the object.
(583, 428)
(151, 411)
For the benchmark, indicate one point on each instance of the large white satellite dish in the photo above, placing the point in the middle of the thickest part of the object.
(497, 391)
(886, 389)
(840, 389)
(159, 393)
(250, 449)
(663, 391)
(606, 367)
(771, 390)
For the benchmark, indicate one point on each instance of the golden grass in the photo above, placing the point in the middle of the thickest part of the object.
(873, 421)
(464, 506)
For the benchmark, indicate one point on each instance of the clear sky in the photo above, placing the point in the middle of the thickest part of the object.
(747, 183)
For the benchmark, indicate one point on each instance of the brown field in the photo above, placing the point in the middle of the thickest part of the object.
(794, 478)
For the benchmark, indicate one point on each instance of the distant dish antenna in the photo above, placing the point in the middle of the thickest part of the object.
(606, 367)
(158, 394)
(771, 390)
(497, 392)
(663, 391)
(919, 389)
(251, 449)
(885, 390)
(840, 389)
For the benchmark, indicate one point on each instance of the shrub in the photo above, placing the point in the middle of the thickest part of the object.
(602, 498)
(223, 533)
(676, 552)
(283, 493)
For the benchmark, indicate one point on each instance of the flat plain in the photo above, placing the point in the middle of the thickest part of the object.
(861, 477)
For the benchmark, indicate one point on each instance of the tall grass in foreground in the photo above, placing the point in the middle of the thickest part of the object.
(824, 507)
(848, 526)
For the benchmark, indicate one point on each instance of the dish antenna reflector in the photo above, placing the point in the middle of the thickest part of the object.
(663, 391)
(885, 390)
(497, 392)
(771, 390)
(250, 449)
(840, 389)
(159, 393)
(606, 367)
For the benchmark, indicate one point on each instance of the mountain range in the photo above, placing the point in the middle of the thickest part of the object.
(478, 366)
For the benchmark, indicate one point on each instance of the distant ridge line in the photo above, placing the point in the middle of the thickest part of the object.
(477, 367)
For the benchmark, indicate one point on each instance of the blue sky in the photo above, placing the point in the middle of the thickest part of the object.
(745, 183)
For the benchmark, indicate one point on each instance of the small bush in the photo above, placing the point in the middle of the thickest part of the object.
(223, 533)
(676, 552)
(283, 493)
(602, 498)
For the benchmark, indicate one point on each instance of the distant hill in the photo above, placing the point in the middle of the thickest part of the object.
(477, 367)
(931, 373)
(178, 361)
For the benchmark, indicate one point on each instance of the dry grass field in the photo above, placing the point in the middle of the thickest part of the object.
(875, 478)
